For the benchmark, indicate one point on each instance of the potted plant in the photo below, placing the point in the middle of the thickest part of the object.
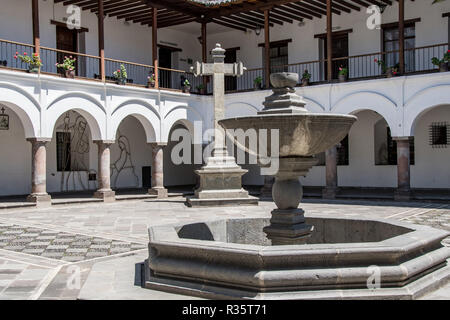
(305, 78)
(34, 62)
(186, 86)
(388, 71)
(343, 74)
(151, 81)
(69, 67)
(257, 83)
(121, 75)
(442, 63)
(201, 89)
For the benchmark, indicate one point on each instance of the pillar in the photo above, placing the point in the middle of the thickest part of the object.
(104, 191)
(401, 35)
(101, 39)
(158, 171)
(36, 32)
(267, 48)
(155, 45)
(329, 192)
(39, 193)
(329, 41)
(403, 191)
(266, 190)
(204, 54)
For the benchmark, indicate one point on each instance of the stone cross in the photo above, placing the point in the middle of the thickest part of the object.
(218, 69)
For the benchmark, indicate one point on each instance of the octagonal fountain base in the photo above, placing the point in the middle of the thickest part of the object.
(233, 259)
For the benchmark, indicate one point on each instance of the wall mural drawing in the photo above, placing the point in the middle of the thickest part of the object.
(124, 161)
(73, 150)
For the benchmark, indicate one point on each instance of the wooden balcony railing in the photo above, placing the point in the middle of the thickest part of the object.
(417, 60)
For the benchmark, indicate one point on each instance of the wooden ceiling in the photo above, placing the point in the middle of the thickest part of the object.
(236, 14)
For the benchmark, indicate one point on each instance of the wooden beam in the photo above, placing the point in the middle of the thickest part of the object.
(401, 34)
(36, 32)
(267, 48)
(329, 41)
(101, 39)
(155, 45)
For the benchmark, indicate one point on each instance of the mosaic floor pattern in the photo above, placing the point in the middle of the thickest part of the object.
(60, 245)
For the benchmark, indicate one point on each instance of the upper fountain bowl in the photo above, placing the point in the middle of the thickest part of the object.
(300, 135)
(284, 79)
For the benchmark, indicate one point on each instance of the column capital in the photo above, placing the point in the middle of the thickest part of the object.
(107, 142)
(158, 144)
(406, 138)
(39, 140)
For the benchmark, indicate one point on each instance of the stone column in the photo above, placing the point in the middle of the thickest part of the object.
(329, 192)
(403, 191)
(39, 193)
(158, 171)
(104, 191)
(266, 190)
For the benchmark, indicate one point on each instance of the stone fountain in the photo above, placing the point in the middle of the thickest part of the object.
(291, 256)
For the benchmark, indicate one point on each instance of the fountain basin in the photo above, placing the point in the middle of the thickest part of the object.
(301, 135)
(234, 259)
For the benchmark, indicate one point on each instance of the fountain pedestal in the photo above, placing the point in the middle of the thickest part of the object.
(287, 226)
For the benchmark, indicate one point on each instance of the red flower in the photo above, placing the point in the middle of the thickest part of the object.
(17, 53)
(15, 57)
(24, 53)
(376, 60)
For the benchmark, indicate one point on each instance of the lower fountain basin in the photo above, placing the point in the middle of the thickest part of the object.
(234, 259)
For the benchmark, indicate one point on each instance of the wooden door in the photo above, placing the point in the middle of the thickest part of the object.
(66, 40)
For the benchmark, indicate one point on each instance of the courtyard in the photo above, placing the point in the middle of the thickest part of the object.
(95, 251)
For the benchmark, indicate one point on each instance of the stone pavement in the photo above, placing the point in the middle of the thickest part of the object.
(94, 251)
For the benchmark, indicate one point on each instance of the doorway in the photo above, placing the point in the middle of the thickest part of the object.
(340, 50)
(230, 81)
(66, 40)
(165, 61)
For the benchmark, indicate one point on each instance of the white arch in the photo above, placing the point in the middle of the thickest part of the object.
(245, 109)
(181, 112)
(24, 105)
(144, 112)
(423, 101)
(313, 105)
(369, 100)
(92, 110)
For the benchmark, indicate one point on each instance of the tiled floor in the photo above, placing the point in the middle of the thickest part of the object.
(39, 247)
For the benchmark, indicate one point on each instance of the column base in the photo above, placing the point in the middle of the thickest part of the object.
(41, 200)
(106, 196)
(329, 193)
(402, 195)
(288, 227)
(160, 193)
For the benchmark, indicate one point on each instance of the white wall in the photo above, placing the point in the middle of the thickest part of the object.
(15, 158)
(432, 168)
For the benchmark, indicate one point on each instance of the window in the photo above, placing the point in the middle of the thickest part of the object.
(439, 135)
(63, 157)
(278, 57)
(391, 43)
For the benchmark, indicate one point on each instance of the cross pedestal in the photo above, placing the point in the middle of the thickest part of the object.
(221, 177)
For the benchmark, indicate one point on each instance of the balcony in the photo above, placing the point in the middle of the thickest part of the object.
(360, 67)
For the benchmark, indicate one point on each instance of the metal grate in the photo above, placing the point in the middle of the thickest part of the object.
(439, 134)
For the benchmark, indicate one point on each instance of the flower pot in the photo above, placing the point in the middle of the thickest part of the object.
(151, 84)
(186, 89)
(33, 69)
(70, 74)
(443, 67)
(342, 78)
(257, 86)
(390, 73)
(121, 82)
(305, 82)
